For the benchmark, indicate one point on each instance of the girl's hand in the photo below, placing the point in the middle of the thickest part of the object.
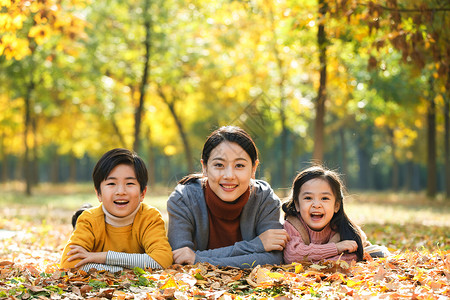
(347, 245)
(78, 252)
(274, 239)
(184, 255)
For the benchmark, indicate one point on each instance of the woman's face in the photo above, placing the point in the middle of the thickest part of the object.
(229, 171)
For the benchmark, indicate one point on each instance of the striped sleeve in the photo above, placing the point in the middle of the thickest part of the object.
(101, 267)
(131, 260)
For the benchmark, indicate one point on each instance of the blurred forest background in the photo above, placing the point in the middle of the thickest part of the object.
(361, 86)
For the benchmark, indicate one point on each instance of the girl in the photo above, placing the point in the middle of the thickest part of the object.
(224, 216)
(316, 222)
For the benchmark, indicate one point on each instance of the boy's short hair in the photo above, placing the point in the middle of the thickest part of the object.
(115, 157)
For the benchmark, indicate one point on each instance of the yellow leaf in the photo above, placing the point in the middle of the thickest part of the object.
(40, 33)
(298, 268)
(351, 283)
(170, 150)
(439, 99)
(5, 3)
(275, 275)
(380, 121)
(170, 283)
(119, 295)
(18, 21)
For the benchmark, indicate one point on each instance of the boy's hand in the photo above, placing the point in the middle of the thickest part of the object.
(78, 252)
(347, 245)
(274, 239)
(184, 255)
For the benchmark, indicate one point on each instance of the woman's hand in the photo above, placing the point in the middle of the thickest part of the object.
(184, 255)
(347, 245)
(78, 252)
(274, 239)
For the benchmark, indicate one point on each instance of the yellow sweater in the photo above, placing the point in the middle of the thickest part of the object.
(147, 234)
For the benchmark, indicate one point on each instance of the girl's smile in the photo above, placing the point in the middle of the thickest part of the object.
(316, 203)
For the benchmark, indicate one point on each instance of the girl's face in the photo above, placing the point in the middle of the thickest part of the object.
(120, 191)
(229, 171)
(316, 203)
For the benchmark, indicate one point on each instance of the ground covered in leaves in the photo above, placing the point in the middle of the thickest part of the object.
(29, 270)
(31, 241)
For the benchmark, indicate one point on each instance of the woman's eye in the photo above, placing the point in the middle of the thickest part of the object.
(110, 183)
(325, 198)
(240, 166)
(218, 165)
(131, 183)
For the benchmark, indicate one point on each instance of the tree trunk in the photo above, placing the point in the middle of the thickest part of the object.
(294, 155)
(409, 176)
(35, 160)
(72, 168)
(366, 171)
(181, 131)
(27, 167)
(282, 108)
(143, 87)
(151, 160)
(3, 157)
(284, 138)
(319, 128)
(395, 165)
(54, 166)
(184, 138)
(431, 145)
(117, 131)
(344, 162)
(447, 138)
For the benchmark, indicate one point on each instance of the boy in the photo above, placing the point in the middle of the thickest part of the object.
(120, 232)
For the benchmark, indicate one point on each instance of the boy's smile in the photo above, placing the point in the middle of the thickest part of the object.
(120, 191)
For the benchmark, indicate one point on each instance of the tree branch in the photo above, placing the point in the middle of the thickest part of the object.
(408, 10)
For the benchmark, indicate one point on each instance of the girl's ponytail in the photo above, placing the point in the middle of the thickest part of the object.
(190, 178)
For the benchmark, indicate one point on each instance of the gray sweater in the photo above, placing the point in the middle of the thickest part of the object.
(189, 226)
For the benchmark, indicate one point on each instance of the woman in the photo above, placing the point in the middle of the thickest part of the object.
(224, 216)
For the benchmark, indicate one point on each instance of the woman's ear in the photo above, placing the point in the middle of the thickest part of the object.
(255, 166)
(204, 168)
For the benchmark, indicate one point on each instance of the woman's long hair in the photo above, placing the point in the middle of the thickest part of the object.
(340, 222)
(231, 134)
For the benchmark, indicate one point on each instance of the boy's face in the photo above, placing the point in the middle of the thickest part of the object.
(120, 192)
